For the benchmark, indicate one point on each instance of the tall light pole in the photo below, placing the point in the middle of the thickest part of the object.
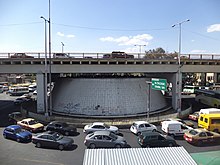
(139, 48)
(62, 46)
(50, 105)
(179, 82)
(45, 72)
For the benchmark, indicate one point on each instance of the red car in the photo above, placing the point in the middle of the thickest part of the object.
(194, 116)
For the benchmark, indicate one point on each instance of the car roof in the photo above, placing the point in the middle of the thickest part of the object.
(200, 130)
(28, 119)
(15, 113)
(14, 126)
(57, 122)
(141, 122)
(172, 122)
(47, 133)
(150, 133)
(97, 123)
(102, 132)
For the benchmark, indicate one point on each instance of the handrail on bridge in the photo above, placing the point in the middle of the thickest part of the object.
(136, 56)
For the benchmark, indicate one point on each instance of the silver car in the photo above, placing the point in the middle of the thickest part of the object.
(104, 139)
(99, 126)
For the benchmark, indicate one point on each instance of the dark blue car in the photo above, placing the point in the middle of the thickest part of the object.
(15, 132)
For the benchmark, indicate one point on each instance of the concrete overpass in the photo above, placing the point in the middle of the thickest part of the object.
(153, 68)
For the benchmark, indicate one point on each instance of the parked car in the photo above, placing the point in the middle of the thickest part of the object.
(194, 116)
(20, 100)
(104, 139)
(21, 55)
(174, 128)
(99, 126)
(201, 136)
(142, 126)
(186, 122)
(52, 140)
(155, 139)
(31, 124)
(14, 117)
(15, 132)
(61, 127)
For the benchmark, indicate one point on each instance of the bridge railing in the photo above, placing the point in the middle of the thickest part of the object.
(136, 56)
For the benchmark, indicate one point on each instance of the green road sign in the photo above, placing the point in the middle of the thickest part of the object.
(159, 84)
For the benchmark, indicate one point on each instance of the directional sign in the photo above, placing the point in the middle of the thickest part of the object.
(159, 84)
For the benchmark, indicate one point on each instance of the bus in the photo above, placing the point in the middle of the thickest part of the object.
(18, 91)
(208, 97)
(210, 122)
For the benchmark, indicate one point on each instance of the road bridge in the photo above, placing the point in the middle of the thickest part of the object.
(166, 68)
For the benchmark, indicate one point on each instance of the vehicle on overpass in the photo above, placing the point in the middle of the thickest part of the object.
(118, 54)
(21, 55)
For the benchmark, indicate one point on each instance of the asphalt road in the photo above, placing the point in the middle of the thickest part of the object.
(14, 153)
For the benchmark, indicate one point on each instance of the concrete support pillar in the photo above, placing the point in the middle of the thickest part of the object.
(215, 78)
(175, 90)
(40, 93)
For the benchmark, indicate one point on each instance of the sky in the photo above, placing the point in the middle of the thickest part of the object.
(100, 26)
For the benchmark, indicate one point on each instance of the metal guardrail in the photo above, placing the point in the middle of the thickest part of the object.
(136, 56)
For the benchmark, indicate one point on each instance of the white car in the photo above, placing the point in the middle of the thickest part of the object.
(99, 126)
(142, 126)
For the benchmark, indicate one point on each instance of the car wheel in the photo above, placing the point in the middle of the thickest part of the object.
(170, 144)
(61, 147)
(154, 130)
(18, 140)
(66, 133)
(92, 146)
(38, 145)
(215, 130)
(173, 136)
(138, 134)
(5, 136)
(199, 143)
(117, 146)
(147, 146)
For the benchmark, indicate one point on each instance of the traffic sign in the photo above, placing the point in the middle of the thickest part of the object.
(159, 84)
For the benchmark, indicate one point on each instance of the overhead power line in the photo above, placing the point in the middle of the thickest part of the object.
(19, 24)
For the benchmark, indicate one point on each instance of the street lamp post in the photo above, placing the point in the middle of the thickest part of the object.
(50, 83)
(179, 82)
(139, 49)
(62, 46)
(45, 80)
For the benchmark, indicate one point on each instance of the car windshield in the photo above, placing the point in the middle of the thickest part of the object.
(32, 122)
(106, 126)
(193, 132)
(65, 125)
(18, 130)
(57, 136)
(113, 136)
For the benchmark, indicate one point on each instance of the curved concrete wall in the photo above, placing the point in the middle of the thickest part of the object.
(105, 96)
